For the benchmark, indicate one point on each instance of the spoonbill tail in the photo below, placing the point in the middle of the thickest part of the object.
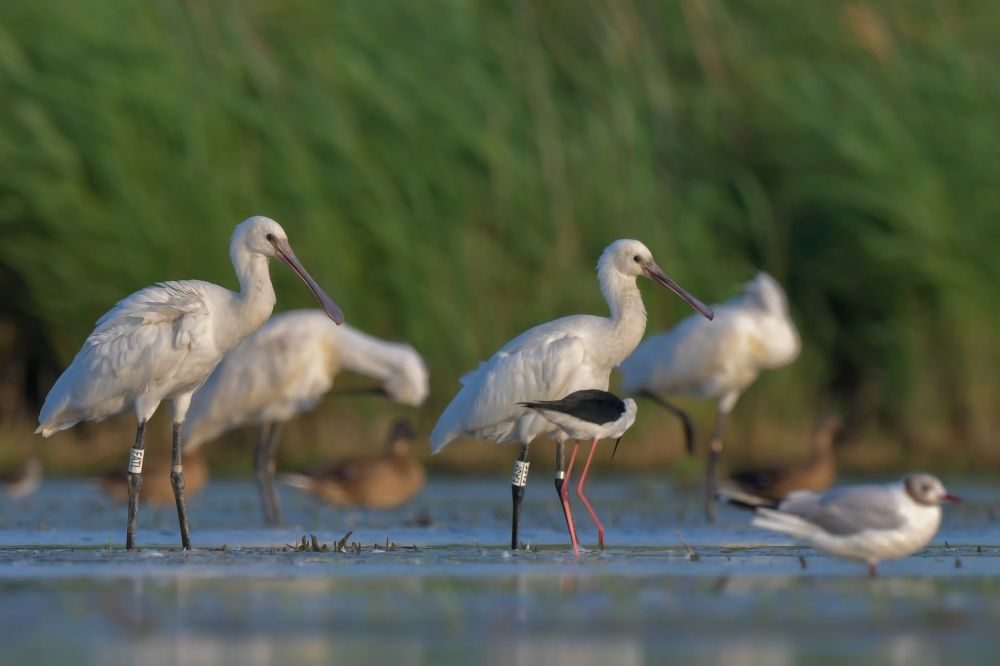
(869, 523)
(284, 369)
(588, 414)
(553, 360)
(162, 342)
(752, 332)
(817, 473)
(380, 481)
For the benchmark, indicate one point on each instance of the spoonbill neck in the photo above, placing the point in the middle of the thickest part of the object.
(256, 298)
(628, 312)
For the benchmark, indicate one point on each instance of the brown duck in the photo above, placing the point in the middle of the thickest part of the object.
(156, 488)
(23, 481)
(817, 473)
(380, 481)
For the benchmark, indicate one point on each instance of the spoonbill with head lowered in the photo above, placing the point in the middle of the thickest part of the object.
(553, 360)
(284, 369)
(752, 332)
(162, 342)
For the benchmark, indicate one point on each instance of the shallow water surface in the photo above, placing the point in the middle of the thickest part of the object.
(447, 589)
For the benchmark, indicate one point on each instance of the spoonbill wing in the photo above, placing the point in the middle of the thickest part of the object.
(135, 345)
(269, 377)
(549, 369)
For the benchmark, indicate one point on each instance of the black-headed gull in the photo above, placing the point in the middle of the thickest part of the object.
(869, 523)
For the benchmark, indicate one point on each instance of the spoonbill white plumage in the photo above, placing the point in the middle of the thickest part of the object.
(162, 342)
(284, 369)
(552, 360)
(588, 414)
(752, 332)
(869, 523)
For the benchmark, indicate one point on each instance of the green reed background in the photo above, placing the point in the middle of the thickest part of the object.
(450, 171)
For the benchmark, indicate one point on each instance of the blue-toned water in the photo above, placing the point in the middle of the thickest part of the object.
(69, 594)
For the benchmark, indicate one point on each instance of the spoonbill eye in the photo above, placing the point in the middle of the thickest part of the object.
(269, 238)
(636, 259)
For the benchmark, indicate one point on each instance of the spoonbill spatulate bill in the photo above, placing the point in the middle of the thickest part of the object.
(162, 342)
(751, 332)
(553, 360)
(869, 523)
(588, 414)
(285, 368)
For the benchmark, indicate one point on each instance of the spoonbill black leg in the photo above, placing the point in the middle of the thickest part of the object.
(519, 481)
(714, 450)
(177, 481)
(579, 492)
(264, 464)
(679, 413)
(272, 466)
(134, 484)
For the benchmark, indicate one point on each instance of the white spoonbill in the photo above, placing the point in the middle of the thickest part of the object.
(552, 360)
(752, 332)
(284, 369)
(588, 414)
(162, 342)
(869, 523)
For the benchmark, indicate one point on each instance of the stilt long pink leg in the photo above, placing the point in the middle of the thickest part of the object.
(579, 491)
(564, 495)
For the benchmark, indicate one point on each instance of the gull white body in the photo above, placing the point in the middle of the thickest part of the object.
(289, 364)
(869, 523)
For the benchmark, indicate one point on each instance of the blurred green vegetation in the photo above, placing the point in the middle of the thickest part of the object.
(450, 171)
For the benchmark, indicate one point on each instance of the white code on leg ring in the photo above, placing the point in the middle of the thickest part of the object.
(520, 473)
(135, 461)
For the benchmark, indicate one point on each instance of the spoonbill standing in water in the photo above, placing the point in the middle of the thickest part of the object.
(284, 369)
(587, 414)
(752, 332)
(162, 342)
(553, 360)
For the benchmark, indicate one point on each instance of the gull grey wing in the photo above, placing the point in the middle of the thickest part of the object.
(589, 405)
(848, 510)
